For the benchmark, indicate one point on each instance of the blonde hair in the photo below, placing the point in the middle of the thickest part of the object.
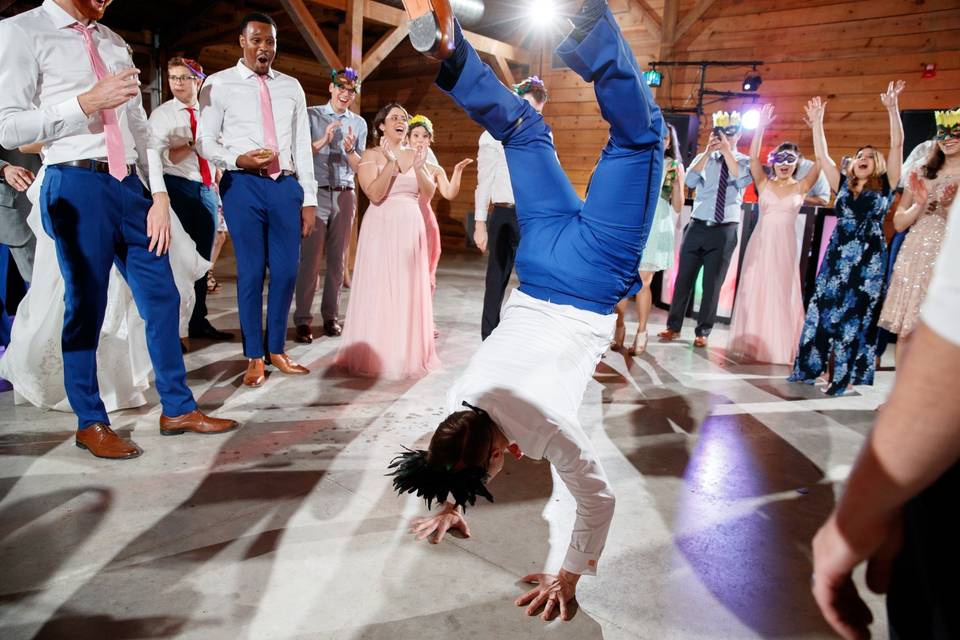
(872, 182)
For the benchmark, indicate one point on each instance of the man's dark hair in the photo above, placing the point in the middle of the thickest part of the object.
(256, 17)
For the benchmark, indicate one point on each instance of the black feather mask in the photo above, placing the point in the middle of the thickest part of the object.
(411, 473)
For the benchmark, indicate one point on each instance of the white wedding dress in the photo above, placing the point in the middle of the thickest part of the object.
(33, 362)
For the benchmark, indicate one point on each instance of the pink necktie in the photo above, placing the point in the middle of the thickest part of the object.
(269, 128)
(116, 154)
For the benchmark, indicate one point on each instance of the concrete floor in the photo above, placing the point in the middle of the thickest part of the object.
(288, 528)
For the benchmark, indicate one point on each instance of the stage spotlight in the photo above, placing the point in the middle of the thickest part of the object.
(751, 119)
(653, 77)
(542, 14)
(752, 81)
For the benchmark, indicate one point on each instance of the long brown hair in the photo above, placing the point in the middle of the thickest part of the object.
(381, 117)
(934, 163)
(873, 182)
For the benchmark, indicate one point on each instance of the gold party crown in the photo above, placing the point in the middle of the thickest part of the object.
(947, 119)
(724, 119)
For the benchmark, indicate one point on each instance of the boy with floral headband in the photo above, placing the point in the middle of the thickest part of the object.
(720, 175)
(339, 137)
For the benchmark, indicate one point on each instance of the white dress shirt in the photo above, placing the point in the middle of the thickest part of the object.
(231, 124)
(170, 126)
(941, 309)
(45, 67)
(493, 177)
(530, 376)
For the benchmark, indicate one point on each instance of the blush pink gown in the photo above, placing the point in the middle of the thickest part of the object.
(433, 239)
(768, 314)
(388, 331)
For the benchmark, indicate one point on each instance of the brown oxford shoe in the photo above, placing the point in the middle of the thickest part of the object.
(254, 376)
(700, 341)
(304, 334)
(332, 328)
(197, 422)
(284, 364)
(103, 442)
(668, 335)
(431, 27)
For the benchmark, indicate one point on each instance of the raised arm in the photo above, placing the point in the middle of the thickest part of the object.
(678, 194)
(807, 182)
(450, 189)
(912, 204)
(891, 100)
(815, 110)
(756, 164)
(425, 181)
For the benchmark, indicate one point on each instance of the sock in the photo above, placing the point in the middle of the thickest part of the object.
(586, 18)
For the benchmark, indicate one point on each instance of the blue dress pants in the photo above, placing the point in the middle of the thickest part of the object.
(97, 221)
(263, 216)
(196, 208)
(584, 254)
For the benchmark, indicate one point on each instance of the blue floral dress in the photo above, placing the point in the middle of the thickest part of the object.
(842, 314)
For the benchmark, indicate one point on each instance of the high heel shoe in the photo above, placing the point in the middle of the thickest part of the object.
(619, 335)
(639, 345)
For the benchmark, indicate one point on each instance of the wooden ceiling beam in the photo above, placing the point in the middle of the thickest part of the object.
(691, 18)
(382, 49)
(311, 32)
(651, 21)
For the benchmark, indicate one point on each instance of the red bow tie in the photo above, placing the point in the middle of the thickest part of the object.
(515, 450)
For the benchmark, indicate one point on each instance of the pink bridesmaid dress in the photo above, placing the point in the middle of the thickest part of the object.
(388, 330)
(433, 239)
(768, 314)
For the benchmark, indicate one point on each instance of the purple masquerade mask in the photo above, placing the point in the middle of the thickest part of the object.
(782, 157)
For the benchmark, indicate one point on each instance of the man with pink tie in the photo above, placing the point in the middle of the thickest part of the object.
(254, 126)
(69, 82)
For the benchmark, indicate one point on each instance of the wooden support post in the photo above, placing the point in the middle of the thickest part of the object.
(351, 42)
(668, 28)
(311, 32)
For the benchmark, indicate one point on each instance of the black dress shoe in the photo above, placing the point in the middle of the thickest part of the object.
(332, 328)
(304, 334)
(210, 333)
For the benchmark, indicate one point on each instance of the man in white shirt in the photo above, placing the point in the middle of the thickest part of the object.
(188, 177)
(69, 82)
(253, 125)
(502, 235)
(576, 260)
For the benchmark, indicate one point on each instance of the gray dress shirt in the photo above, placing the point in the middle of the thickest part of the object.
(330, 166)
(707, 182)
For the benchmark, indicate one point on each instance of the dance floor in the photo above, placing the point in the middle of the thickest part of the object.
(287, 528)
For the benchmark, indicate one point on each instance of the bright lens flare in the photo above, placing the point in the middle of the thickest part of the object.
(751, 119)
(542, 14)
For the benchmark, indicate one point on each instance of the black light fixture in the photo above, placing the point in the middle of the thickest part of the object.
(752, 81)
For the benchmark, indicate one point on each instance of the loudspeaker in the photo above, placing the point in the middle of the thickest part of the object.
(918, 126)
(688, 129)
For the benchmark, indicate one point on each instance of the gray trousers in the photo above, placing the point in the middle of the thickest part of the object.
(23, 256)
(331, 237)
(711, 248)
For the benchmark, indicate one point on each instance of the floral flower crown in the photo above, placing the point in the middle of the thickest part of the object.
(724, 119)
(528, 85)
(420, 120)
(347, 78)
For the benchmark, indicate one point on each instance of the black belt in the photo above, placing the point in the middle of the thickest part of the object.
(100, 166)
(329, 188)
(263, 172)
(504, 205)
(713, 223)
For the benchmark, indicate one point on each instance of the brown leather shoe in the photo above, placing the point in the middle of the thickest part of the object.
(668, 335)
(254, 376)
(197, 422)
(284, 364)
(103, 442)
(431, 27)
(332, 328)
(700, 341)
(304, 334)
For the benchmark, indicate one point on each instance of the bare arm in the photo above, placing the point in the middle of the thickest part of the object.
(677, 195)
(375, 181)
(815, 110)
(807, 182)
(912, 204)
(891, 100)
(450, 189)
(425, 181)
(756, 164)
